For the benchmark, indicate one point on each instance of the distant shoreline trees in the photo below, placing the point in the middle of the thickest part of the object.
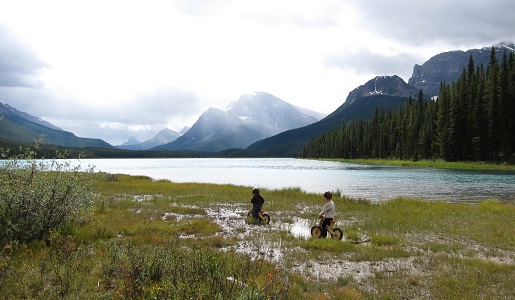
(473, 119)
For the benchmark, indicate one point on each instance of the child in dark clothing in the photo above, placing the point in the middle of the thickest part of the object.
(257, 202)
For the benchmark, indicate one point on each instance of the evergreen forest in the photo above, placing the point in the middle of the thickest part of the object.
(473, 119)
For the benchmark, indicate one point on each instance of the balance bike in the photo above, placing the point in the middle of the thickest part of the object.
(264, 218)
(336, 233)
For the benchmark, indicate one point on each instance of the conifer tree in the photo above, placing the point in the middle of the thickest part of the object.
(492, 98)
(472, 119)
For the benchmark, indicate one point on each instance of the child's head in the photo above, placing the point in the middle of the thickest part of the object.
(328, 195)
(255, 191)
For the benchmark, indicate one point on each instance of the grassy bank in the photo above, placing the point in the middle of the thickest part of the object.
(434, 164)
(149, 239)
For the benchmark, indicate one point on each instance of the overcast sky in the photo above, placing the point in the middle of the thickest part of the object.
(115, 69)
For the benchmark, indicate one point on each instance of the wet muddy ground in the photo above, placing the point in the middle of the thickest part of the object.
(265, 241)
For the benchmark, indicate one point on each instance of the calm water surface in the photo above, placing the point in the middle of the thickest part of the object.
(376, 183)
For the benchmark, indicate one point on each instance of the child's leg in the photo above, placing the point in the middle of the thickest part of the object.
(256, 211)
(323, 229)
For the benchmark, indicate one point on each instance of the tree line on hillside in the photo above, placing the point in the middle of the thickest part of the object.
(10, 149)
(473, 119)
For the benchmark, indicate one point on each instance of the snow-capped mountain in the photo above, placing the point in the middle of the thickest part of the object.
(267, 110)
(251, 118)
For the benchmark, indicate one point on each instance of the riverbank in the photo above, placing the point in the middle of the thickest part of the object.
(158, 239)
(433, 164)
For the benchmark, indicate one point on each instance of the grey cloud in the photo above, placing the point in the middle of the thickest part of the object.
(155, 107)
(161, 104)
(453, 22)
(19, 67)
(365, 62)
(142, 117)
(37, 102)
(145, 115)
(175, 101)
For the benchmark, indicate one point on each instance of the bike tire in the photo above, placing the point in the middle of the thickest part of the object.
(316, 232)
(338, 234)
(250, 214)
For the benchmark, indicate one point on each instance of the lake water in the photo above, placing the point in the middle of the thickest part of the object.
(376, 183)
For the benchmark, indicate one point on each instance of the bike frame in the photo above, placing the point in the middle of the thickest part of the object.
(328, 227)
(260, 214)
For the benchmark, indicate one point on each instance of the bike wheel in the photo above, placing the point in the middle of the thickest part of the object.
(266, 219)
(338, 234)
(250, 214)
(316, 232)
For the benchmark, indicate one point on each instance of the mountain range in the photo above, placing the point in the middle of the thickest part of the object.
(251, 118)
(448, 66)
(388, 92)
(263, 124)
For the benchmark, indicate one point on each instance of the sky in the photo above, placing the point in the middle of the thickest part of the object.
(116, 69)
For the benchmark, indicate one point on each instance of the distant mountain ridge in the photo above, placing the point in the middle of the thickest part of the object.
(34, 119)
(251, 118)
(163, 137)
(447, 66)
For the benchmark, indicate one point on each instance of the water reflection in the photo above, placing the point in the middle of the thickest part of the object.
(300, 228)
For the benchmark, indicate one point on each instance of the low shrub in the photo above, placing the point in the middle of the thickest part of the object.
(38, 196)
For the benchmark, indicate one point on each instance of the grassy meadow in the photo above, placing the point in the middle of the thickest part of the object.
(148, 239)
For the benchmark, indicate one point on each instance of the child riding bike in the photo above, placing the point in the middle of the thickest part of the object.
(257, 202)
(327, 212)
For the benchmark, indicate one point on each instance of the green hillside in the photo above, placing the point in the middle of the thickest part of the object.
(17, 129)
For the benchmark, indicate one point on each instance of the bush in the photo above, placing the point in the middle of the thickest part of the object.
(39, 195)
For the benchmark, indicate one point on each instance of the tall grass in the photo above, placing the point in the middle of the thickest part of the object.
(147, 239)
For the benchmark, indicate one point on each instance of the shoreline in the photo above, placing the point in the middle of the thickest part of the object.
(440, 164)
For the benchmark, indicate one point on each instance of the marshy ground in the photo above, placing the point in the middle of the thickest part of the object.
(144, 236)
(266, 241)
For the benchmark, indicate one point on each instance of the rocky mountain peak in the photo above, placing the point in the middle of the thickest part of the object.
(447, 66)
(382, 85)
(248, 105)
(164, 136)
(131, 141)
